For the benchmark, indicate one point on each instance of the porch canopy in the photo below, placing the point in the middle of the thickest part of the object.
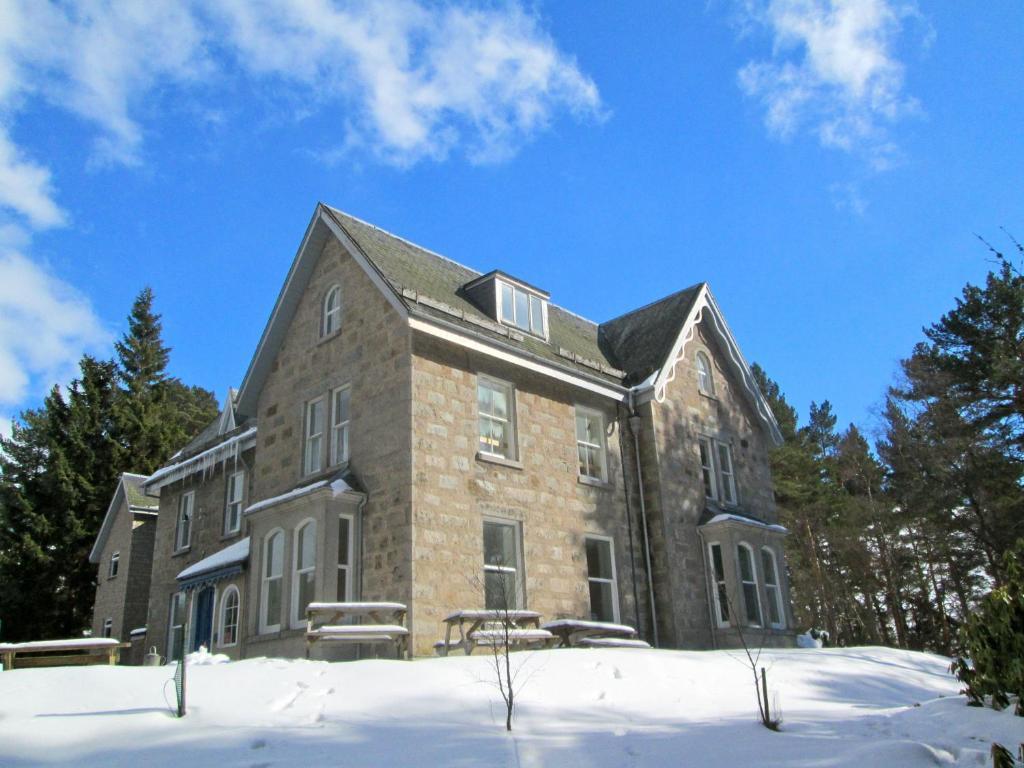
(220, 565)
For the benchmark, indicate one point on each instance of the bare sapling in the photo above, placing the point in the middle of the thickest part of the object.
(760, 675)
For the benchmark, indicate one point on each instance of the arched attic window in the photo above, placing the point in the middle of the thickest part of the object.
(330, 320)
(705, 379)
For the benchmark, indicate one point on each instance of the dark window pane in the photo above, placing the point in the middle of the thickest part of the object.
(601, 605)
(599, 559)
(343, 537)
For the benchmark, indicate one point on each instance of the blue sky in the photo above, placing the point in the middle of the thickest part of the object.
(825, 166)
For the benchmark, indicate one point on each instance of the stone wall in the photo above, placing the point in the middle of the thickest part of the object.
(139, 573)
(111, 592)
(207, 537)
(370, 352)
(675, 491)
(454, 490)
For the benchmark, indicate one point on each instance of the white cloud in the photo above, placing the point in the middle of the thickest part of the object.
(833, 70)
(45, 326)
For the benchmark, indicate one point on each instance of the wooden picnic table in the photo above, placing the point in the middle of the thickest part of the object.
(487, 627)
(59, 653)
(336, 622)
(573, 632)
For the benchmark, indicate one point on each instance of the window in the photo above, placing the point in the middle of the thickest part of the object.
(176, 627)
(108, 627)
(339, 424)
(719, 594)
(705, 381)
(501, 565)
(314, 432)
(496, 404)
(771, 588)
(115, 561)
(604, 597)
(590, 444)
(717, 470)
(270, 590)
(345, 551)
(748, 579)
(728, 481)
(303, 571)
(233, 508)
(183, 534)
(229, 617)
(522, 309)
(331, 318)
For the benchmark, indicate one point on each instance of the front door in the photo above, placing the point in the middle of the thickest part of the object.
(204, 619)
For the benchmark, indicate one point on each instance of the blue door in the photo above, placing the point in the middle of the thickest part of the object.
(204, 619)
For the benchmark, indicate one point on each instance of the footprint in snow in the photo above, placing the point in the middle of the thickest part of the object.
(616, 673)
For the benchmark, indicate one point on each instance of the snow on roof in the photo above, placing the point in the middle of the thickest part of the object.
(204, 461)
(727, 518)
(236, 553)
(338, 486)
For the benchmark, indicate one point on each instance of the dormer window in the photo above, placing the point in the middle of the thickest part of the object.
(521, 309)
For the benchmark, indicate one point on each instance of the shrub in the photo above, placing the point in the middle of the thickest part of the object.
(992, 639)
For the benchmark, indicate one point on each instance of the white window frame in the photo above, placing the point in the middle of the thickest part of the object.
(705, 373)
(222, 613)
(719, 585)
(510, 393)
(265, 579)
(171, 626)
(231, 501)
(773, 591)
(601, 445)
(744, 584)
(342, 427)
(108, 627)
(722, 481)
(187, 501)
(530, 298)
(614, 580)
(330, 317)
(115, 564)
(727, 477)
(298, 612)
(519, 586)
(349, 566)
(309, 437)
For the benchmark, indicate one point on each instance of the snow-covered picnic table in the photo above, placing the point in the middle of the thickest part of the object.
(573, 632)
(58, 653)
(327, 621)
(487, 627)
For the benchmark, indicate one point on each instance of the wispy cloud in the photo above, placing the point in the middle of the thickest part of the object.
(409, 81)
(833, 70)
(45, 326)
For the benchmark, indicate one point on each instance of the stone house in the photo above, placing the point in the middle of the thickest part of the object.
(412, 430)
(123, 554)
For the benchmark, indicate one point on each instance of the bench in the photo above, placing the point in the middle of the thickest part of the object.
(324, 622)
(575, 632)
(61, 653)
(487, 628)
(611, 642)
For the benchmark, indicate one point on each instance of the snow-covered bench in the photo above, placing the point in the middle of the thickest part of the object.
(324, 622)
(487, 627)
(60, 653)
(573, 632)
(611, 642)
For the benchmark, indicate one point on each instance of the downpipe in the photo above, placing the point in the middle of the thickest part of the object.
(634, 427)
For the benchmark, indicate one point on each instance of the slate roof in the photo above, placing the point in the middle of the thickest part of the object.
(424, 280)
(135, 495)
(641, 340)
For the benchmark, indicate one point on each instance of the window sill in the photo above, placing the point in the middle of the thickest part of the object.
(592, 481)
(708, 396)
(499, 460)
(231, 535)
(183, 551)
(324, 339)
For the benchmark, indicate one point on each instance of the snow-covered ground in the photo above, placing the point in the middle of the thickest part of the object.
(840, 707)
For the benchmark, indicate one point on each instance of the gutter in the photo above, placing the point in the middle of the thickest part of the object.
(634, 427)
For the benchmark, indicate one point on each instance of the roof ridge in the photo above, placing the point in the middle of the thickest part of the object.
(408, 242)
(450, 260)
(656, 301)
(133, 474)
